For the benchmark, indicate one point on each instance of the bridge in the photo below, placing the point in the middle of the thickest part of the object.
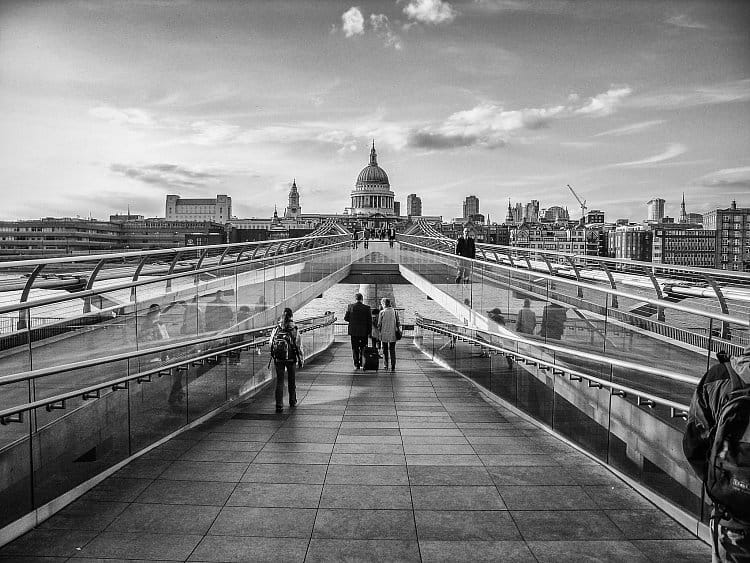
(487, 443)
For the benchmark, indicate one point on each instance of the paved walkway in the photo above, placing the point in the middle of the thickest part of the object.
(414, 466)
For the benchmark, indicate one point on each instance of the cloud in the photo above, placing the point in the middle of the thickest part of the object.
(490, 125)
(382, 28)
(727, 92)
(673, 150)
(166, 175)
(124, 116)
(727, 178)
(352, 22)
(685, 21)
(430, 11)
(543, 6)
(630, 129)
(605, 104)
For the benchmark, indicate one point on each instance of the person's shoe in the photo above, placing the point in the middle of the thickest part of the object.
(279, 409)
(292, 404)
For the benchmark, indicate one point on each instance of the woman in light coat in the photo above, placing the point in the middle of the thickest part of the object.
(388, 323)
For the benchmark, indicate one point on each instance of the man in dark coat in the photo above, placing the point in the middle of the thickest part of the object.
(465, 247)
(359, 317)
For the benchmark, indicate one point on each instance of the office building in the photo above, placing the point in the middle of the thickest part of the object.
(684, 247)
(655, 210)
(413, 205)
(594, 217)
(471, 206)
(216, 210)
(732, 227)
(630, 243)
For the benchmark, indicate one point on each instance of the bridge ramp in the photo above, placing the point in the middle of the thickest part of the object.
(410, 466)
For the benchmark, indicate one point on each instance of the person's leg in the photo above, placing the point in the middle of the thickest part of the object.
(361, 345)
(392, 346)
(279, 385)
(385, 354)
(355, 346)
(292, 374)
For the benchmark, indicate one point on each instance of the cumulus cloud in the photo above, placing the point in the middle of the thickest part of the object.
(738, 178)
(490, 125)
(605, 103)
(165, 175)
(673, 150)
(631, 129)
(353, 22)
(685, 21)
(382, 28)
(430, 11)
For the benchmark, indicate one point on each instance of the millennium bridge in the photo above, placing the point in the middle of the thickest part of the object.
(485, 444)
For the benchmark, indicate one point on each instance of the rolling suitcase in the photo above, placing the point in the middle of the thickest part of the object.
(372, 358)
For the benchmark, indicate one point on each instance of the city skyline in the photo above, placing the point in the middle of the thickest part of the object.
(113, 105)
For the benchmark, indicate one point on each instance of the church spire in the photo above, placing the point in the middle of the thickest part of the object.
(373, 155)
(683, 213)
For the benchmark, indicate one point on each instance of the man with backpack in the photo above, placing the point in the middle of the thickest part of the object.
(359, 317)
(286, 351)
(717, 445)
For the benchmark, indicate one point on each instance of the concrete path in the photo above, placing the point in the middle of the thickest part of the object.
(411, 466)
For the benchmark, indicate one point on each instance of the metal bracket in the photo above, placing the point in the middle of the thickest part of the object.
(646, 403)
(574, 377)
(7, 419)
(59, 405)
(619, 393)
(675, 413)
(144, 379)
(595, 384)
(120, 386)
(95, 394)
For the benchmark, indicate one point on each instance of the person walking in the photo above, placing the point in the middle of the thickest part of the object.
(465, 248)
(219, 315)
(286, 351)
(390, 330)
(366, 237)
(391, 236)
(526, 318)
(359, 317)
(715, 420)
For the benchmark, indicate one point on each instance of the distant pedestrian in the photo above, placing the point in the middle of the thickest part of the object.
(496, 315)
(390, 331)
(526, 318)
(193, 319)
(286, 351)
(465, 248)
(355, 234)
(152, 328)
(553, 321)
(359, 317)
(391, 236)
(366, 237)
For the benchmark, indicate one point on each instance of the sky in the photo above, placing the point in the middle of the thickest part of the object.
(111, 105)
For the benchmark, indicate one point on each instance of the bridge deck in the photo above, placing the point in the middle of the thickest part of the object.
(414, 466)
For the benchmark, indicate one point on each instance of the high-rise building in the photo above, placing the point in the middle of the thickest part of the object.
(413, 205)
(531, 211)
(655, 210)
(556, 213)
(732, 237)
(695, 218)
(471, 206)
(293, 210)
(218, 210)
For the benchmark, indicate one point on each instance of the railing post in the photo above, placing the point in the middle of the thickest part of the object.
(725, 329)
(611, 283)
(577, 273)
(90, 284)
(24, 316)
(659, 294)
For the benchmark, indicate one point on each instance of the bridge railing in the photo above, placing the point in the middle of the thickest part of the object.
(64, 428)
(719, 291)
(63, 310)
(678, 336)
(635, 429)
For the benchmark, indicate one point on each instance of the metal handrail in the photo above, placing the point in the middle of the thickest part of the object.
(11, 414)
(603, 289)
(677, 409)
(130, 284)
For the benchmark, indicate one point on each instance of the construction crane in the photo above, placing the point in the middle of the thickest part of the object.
(582, 203)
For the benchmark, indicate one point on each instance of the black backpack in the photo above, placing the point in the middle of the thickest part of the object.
(728, 471)
(283, 347)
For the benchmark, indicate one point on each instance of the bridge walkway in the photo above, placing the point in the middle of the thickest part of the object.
(411, 466)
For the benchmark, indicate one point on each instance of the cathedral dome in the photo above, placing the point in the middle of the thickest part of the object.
(372, 173)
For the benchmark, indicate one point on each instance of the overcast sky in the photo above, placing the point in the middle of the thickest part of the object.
(109, 104)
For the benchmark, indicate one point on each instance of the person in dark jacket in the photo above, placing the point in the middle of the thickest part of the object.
(553, 321)
(732, 543)
(465, 248)
(286, 324)
(359, 317)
